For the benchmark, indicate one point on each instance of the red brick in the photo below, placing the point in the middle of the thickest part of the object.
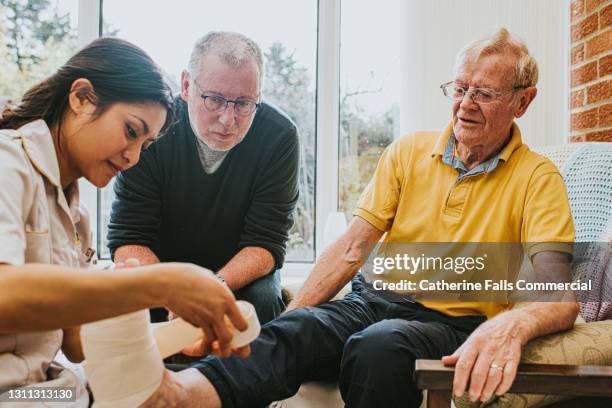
(600, 43)
(578, 54)
(605, 17)
(605, 115)
(599, 92)
(599, 136)
(576, 10)
(584, 120)
(585, 27)
(577, 99)
(577, 138)
(605, 65)
(592, 5)
(584, 74)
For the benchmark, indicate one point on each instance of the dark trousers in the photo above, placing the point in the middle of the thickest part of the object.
(265, 295)
(366, 342)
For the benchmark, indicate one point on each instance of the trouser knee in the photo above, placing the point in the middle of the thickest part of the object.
(265, 295)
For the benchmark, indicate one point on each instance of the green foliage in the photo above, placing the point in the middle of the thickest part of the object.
(362, 139)
(34, 41)
(287, 86)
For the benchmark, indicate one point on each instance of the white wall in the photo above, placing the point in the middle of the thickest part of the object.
(433, 31)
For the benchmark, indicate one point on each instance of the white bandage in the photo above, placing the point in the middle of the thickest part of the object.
(123, 366)
(124, 354)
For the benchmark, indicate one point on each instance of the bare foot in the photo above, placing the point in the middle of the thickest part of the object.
(185, 389)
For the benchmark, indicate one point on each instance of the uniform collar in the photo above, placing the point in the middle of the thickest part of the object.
(37, 142)
(38, 145)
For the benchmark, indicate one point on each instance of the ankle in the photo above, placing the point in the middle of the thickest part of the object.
(199, 389)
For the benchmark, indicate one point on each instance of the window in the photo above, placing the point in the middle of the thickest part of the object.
(369, 103)
(35, 38)
(289, 43)
(333, 63)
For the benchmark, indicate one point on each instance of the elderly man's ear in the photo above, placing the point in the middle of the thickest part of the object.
(527, 95)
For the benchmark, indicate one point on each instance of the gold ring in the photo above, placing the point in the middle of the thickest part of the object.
(497, 367)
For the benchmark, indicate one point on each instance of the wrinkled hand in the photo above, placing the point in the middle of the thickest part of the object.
(197, 296)
(488, 360)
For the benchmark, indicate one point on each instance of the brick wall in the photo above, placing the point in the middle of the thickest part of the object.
(591, 70)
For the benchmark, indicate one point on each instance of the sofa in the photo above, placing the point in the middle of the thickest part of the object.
(587, 171)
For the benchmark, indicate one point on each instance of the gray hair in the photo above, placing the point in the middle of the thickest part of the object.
(502, 42)
(234, 48)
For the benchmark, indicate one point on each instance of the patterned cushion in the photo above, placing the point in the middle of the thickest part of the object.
(587, 343)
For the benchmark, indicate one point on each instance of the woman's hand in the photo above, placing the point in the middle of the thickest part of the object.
(196, 295)
(201, 347)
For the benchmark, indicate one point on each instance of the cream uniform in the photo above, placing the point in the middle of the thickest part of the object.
(39, 223)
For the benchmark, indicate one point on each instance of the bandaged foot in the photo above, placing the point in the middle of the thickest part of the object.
(124, 354)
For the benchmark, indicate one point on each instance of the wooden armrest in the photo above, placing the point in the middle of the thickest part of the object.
(554, 379)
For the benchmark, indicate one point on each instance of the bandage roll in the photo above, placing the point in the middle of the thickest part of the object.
(175, 335)
(242, 338)
(122, 361)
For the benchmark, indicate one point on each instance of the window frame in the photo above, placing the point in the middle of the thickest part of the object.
(326, 122)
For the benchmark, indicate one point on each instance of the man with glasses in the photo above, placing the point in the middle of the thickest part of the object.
(220, 188)
(475, 182)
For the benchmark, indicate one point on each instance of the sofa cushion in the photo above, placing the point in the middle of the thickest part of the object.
(588, 343)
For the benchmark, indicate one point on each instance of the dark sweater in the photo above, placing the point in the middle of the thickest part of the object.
(168, 203)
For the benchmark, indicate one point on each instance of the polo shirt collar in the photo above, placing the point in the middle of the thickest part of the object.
(514, 143)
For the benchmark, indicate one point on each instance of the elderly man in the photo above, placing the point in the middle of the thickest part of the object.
(219, 190)
(474, 182)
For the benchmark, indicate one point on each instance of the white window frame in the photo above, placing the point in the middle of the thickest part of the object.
(89, 30)
(327, 102)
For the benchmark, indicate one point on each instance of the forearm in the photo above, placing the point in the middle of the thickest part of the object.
(338, 264)
(545, 317)
(43, 297)
(248, 265)
(321, 285)
(143, 253)
(537, 319)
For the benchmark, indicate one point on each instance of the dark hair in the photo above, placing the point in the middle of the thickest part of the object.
(119, 72)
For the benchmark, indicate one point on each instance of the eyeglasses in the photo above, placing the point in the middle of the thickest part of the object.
(217, 103)
(479, 95)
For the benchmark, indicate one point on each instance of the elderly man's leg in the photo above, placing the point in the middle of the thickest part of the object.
(302, 345)
(265, 295)
(378, 363)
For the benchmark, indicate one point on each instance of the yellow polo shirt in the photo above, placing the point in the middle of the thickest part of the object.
(415, 197)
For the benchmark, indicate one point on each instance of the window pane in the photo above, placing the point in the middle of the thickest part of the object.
(369, 79)
(289, 46)
(35, 38)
